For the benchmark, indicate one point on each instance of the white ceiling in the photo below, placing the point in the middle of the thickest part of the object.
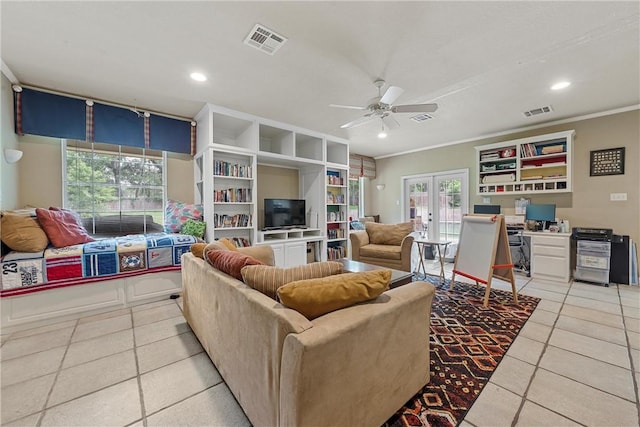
(484, 63)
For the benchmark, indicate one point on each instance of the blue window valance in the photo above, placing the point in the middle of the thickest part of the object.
(59, 116)
(47, 114)
(120, 126)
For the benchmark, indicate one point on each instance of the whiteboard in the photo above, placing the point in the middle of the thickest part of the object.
(477, 246)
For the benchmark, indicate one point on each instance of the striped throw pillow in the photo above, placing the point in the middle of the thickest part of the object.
(267, 279)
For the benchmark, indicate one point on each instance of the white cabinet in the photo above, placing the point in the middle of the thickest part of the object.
(291, 247)
(550, 256)
(540, 164)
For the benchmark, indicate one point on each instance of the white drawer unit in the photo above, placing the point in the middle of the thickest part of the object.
(593, 257)
(550, 256)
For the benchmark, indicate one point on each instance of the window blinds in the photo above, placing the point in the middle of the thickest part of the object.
(361, 166)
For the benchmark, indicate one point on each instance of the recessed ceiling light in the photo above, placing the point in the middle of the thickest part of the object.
(382, 134)
(560, 85)
(199, 77)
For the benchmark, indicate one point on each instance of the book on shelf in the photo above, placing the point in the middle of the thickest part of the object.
(333, 198)
(335, 252)
(334, 178)
(222, 168)
(552, 149)
(232, 195)
(489, 156)
(240, 242)
(231, 221)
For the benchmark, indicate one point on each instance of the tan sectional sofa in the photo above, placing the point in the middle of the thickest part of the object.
(354, 366)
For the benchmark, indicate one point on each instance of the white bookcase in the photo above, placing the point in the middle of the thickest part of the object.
(336, 215)
(540, 164)
(240, 141)
(225, 185)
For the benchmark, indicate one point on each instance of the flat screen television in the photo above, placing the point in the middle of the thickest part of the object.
(544, 214)
(279, 213)
(486, 209)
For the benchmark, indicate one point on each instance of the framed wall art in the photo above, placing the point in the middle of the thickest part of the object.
(609, 161)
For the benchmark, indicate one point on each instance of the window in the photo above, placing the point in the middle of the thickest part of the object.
(115, 189)
(355, 198)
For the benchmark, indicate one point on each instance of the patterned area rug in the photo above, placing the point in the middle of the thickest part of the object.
(467, 341)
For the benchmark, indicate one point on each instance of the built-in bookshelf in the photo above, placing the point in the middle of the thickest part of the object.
(226, 191)
(540, 164)
(336, 212)
(230, 145)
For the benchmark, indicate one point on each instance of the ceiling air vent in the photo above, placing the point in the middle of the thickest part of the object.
(537, 111)
(264, 39)
(422, 117)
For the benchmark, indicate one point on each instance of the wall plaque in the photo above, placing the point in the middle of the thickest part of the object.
(607, 162)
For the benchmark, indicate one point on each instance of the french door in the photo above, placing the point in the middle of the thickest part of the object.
(438, 200)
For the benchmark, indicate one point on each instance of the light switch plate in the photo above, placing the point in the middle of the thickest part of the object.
(617, 197)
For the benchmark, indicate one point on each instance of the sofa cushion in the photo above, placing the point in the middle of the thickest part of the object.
(197, 249)
(177, 213)
(22, 233)
(381, 251)
(262, 253)
(267, 279)
(231, 262)
(315, 297)
(228, 244)
(388, 234)
(62, 228)
(216, 245)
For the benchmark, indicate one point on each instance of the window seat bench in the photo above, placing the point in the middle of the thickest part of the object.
(107, 273)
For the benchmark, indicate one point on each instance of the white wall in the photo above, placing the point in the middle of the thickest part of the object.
(8, 173)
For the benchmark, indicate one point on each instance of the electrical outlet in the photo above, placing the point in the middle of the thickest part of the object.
(486, 200)
(617, 197)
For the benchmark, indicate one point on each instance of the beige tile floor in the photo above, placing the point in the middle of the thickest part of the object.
(576, 362)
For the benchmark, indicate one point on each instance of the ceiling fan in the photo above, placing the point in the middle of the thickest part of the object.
(382, 107)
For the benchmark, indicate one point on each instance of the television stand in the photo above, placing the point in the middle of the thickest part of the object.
(291, 246)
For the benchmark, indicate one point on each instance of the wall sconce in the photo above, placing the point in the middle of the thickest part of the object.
(11, 155)
(380, 187)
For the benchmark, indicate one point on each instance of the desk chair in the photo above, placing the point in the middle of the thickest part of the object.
(521, 258)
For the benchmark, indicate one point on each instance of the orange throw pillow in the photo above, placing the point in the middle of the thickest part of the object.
(62, 228)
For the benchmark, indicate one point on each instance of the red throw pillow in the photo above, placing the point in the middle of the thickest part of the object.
(231, 262)
(73, 213)
(62, 228)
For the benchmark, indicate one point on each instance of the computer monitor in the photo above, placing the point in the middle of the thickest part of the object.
(486, 209)
(544, 214)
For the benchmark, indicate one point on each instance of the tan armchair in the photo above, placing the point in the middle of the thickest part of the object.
(386, 245)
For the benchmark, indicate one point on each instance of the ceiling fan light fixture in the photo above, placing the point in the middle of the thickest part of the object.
(561, 85)
(199, 77)
(382, 134)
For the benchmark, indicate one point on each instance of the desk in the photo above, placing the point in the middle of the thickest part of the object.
(550, 255)
(442, 249)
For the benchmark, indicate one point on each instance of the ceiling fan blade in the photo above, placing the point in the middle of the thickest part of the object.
(351, 107)
(392, 93)
(414, 108)
(390, 122)
(357, 122)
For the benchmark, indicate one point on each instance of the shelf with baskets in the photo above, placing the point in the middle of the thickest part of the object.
(336, 181)
(540, 164)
